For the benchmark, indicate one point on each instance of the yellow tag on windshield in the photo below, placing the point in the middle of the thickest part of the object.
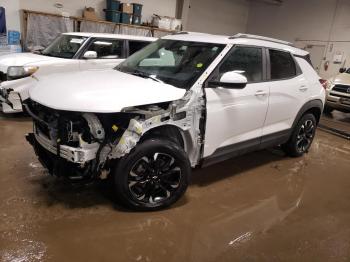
(115, 128)
(199, 65)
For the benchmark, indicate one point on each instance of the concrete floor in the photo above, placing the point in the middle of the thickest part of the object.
(259, 207)
(337, 122)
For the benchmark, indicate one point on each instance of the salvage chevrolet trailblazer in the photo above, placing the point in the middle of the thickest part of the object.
(186, 100)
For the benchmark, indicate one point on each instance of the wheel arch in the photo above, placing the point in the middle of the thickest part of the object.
(170, 132)
(314, 107)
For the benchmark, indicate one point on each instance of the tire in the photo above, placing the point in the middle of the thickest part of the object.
(153, 176)
(327, 110)
(302, 136)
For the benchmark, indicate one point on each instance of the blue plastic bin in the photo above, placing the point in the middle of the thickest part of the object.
(126, 18)
(112, 16)
(13, 37)
(113, 5)
(137, 9)
(136, 20)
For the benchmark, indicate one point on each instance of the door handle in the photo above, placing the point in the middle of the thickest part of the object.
(303, 88)
(260, 93)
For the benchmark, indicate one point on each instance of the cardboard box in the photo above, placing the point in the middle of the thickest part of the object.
(162, 22)
(127, 8)
(89, 13)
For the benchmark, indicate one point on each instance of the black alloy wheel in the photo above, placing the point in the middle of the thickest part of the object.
(154, 175)
(302, 136)
(305, 136)
(154, 178)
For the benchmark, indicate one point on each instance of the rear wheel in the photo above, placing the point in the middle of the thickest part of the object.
(302, 136)
(153, 176)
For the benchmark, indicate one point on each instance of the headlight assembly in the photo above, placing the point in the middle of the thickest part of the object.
(16, 72)
(329, 85)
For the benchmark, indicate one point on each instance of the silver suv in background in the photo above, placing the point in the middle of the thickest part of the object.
(338, 92)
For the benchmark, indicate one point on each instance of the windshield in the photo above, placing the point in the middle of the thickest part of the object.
(178, 63)
(65, 46)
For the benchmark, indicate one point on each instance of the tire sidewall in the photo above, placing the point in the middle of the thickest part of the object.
(126, 163)
(297, 130)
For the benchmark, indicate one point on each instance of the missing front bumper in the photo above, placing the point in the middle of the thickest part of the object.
(71, 154)
(11, 103)
(58, 165)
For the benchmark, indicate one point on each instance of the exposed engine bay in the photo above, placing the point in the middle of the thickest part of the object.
(86, 145)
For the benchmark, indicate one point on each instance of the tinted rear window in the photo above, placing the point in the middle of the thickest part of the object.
(282, 65)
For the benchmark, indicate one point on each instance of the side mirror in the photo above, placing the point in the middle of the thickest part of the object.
(342, 70)
(90, 55)
(231, 79)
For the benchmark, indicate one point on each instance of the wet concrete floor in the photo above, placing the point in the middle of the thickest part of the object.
(337, 121)
(259, 207)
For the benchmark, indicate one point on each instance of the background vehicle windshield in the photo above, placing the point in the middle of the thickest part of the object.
(178, 63)
(65, 46)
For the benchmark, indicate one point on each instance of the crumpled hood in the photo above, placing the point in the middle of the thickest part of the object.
(343, 78)
(21, 59)
(107, 91)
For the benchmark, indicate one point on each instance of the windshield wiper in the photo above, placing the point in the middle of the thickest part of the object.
(145, 75)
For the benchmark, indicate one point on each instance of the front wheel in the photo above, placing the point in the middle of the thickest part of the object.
(302, 136)
(153, 176)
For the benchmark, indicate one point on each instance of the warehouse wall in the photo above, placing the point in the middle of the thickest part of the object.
(12, 14)
(218, 17)
(75, 8)
(314, 25)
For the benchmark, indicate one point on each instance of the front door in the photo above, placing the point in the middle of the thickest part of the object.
(237, 115)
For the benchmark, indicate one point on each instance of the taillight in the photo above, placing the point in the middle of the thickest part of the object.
(324, 83)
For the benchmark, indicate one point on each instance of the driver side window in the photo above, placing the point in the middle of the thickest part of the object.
(245, 60)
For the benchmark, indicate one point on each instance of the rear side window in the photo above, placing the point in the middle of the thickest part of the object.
(135, 46)
(282, 65)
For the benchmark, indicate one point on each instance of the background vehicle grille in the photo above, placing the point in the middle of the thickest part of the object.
(342, 88)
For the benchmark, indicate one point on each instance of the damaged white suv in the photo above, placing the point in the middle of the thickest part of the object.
(186, 100)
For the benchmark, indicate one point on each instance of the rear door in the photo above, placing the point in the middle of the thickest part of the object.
(288, 91)
(110, 52)
(237, 115)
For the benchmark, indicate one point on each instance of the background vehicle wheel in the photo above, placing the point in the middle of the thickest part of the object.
(327, 110)
(153, 176)
(302, 136)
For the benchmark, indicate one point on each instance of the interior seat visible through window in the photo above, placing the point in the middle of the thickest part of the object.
(107, 48)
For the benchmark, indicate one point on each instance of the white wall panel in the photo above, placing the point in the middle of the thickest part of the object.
(12, 14)
(217, 17)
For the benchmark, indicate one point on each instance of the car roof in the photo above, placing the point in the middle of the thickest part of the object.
(116, 36)
(238, 39)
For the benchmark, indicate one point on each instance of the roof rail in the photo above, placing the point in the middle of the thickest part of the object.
(263, 38)
(180, 33)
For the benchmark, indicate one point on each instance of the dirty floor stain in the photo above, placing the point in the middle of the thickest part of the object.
(258, 207)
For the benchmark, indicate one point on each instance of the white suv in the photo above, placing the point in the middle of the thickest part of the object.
(69, 52)
(184, 101)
